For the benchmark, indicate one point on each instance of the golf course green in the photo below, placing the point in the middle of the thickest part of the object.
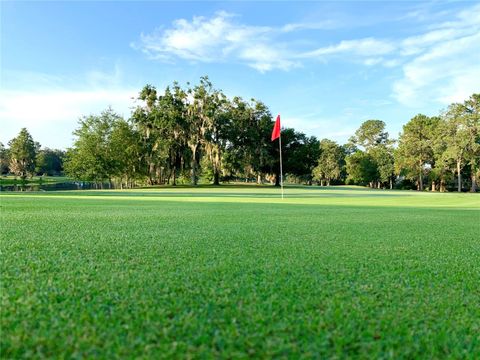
(237, 272)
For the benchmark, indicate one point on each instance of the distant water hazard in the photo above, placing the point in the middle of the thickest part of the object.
(50, 187)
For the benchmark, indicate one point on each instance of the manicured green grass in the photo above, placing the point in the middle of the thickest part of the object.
(235, 272)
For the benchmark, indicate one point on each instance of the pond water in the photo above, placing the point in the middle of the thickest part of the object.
(49, 187)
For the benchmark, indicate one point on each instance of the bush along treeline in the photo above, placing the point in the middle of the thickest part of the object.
(197, 134)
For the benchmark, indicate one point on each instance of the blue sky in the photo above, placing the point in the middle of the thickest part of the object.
(325, 66)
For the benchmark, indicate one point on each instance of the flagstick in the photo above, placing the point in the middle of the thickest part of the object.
(281, 170)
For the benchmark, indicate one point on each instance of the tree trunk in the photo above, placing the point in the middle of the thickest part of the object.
(433, 186)
(473, 188)
(459, 176)
(194, 164)
(442, 185)
(277, 179)
(216, 172)
(174, 176)
(194, 171)
(328, 182)
(391, 184)
(259, 178)
(420, 181)
(216, 167)
(216, 177)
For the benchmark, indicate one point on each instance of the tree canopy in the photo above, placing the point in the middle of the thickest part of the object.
(22, 154)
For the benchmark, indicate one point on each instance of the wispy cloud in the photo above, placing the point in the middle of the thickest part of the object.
(322, 127)
(321, 25)
(224, 38)
(363, 47)
(51, 107)
(216, 39)
(444, 73)
(443, 64)
(45, 106)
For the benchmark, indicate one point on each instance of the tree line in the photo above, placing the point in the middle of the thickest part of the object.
(440, 152)
(192, 134)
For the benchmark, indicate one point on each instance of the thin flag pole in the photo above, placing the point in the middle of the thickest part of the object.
(281, 170)
(277, 134)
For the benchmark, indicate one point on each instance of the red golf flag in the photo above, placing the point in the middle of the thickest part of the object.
(276, 129)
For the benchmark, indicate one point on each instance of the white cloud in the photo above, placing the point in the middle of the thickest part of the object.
(50, 106)
(362, 47)
(316, 124)
(102, 79)
(442, 65)
(222, 37)
(51, 114)
(446, 72)
(215, 39)
(373, 61)
(416, 44)
(265, 58)
(321, 25)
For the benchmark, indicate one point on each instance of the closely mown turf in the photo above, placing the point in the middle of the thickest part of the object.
(236, 272)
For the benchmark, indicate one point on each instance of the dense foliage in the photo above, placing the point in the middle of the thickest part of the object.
(187, 135)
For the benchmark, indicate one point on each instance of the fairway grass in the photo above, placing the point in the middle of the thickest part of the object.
(236, 272)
